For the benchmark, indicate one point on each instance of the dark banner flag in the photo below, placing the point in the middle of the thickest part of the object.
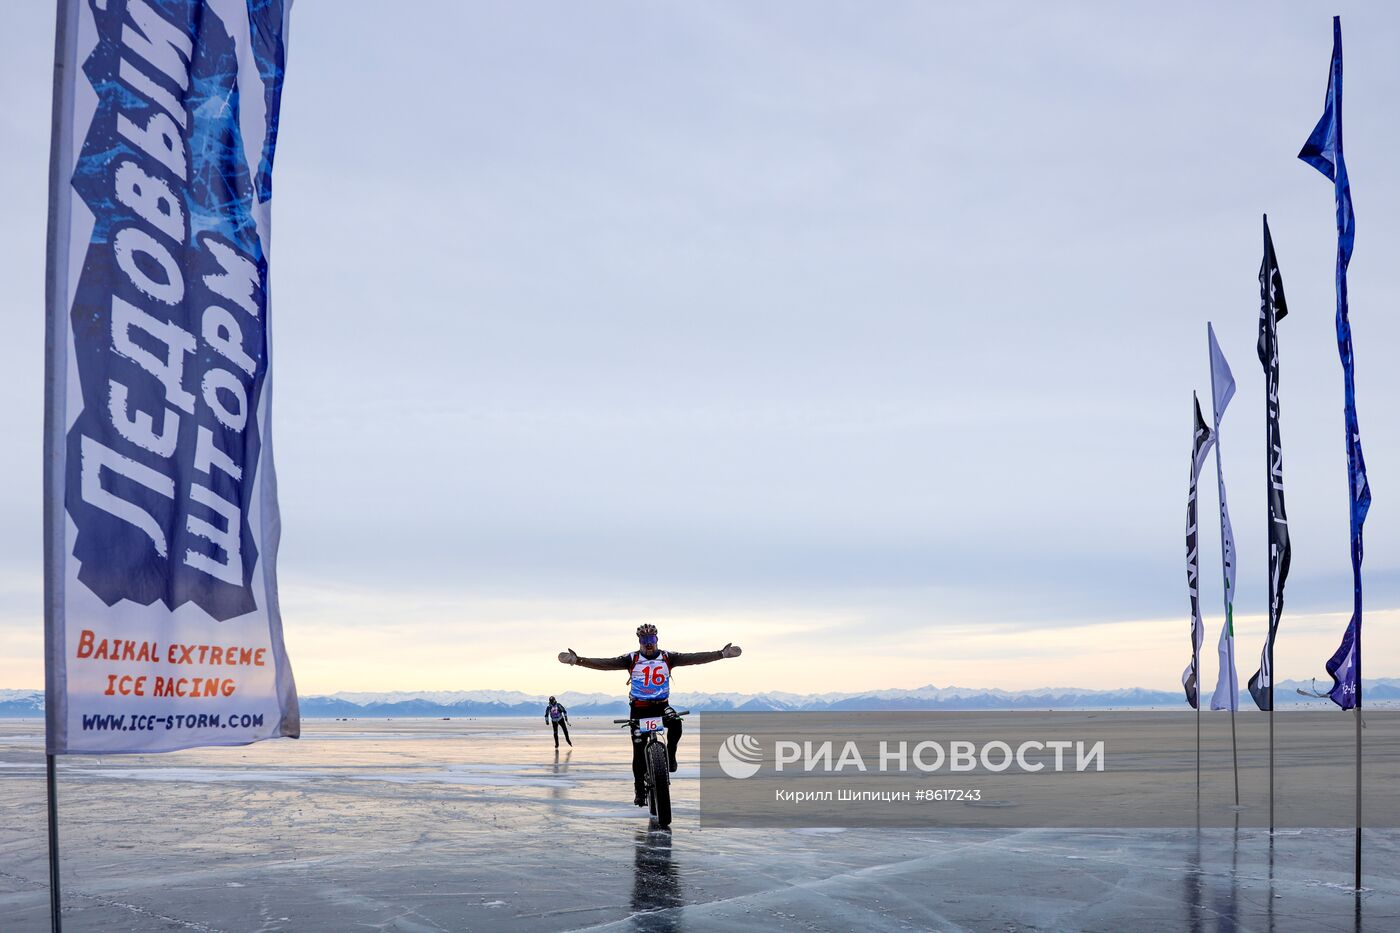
(1323, 151)
(1201, 439)
(1272, 309)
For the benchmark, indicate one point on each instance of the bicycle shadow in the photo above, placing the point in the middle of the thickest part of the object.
(656, 885)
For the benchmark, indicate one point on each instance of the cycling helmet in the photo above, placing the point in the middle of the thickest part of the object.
(551, 699)
(646, 634)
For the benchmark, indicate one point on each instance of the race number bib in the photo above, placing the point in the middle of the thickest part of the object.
(651, 678)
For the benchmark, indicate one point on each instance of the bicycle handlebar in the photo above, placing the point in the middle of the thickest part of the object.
(678, 714)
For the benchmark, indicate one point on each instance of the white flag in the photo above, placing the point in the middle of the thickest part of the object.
(1227, 687)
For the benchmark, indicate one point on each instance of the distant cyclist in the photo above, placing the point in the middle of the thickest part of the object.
(650, 677)
(557, 716)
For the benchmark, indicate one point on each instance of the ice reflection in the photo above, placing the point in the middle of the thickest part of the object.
(656, 888)
(1227, 903)
(459, 826)
(561, 769)
(1269, 904)
(1194, 889)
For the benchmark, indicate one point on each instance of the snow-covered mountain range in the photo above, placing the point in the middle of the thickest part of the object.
(462, 703)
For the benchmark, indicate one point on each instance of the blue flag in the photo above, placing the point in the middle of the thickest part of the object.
(1323, 151)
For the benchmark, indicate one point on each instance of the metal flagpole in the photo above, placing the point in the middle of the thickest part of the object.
(1358, 777)
(1271, 747)
(1229, 620)
(1235, 755)
(54, 897)
(1196, 652)
(1198, 738)
(60, 156)
(1323, 151)
(1269, 326)
(1271, 293)
(1272, 596)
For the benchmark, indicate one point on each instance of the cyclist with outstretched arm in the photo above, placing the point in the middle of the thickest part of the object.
(650, 690)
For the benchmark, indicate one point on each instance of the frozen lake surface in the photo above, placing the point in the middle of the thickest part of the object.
(418, 825)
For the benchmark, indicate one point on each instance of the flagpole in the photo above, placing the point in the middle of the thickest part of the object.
(1323, 151)
(55, 898)
(1229, 621)
(55, 285)
(1358, 778)
(1201, 439)
(1272, 307)
(1195, 610)
(1271, 324)
(1235, 756)
(1234, 698)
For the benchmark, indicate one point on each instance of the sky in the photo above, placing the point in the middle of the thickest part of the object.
(861, 337)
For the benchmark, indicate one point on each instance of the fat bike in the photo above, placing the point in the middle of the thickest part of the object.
(651, 732)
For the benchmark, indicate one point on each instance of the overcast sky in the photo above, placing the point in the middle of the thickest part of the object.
(863, 337)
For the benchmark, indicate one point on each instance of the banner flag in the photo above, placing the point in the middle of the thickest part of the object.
(1323, 151)
(1272, 309)
(162, 626)
(1227, 685)
(1201, 439)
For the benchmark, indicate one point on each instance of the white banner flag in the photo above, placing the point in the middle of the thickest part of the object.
(161, 524)
(1227, 686)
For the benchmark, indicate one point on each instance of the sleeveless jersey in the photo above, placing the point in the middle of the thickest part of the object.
(555, 713)
(651, 677)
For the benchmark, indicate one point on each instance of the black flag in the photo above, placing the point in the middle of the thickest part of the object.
(1272, 308)
(1201, 439)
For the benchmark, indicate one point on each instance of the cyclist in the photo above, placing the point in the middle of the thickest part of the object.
(650, 678)
(557, 716)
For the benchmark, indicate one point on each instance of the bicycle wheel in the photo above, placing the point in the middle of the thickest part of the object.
(660, 783)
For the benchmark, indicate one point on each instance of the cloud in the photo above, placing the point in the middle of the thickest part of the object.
(836, 331)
